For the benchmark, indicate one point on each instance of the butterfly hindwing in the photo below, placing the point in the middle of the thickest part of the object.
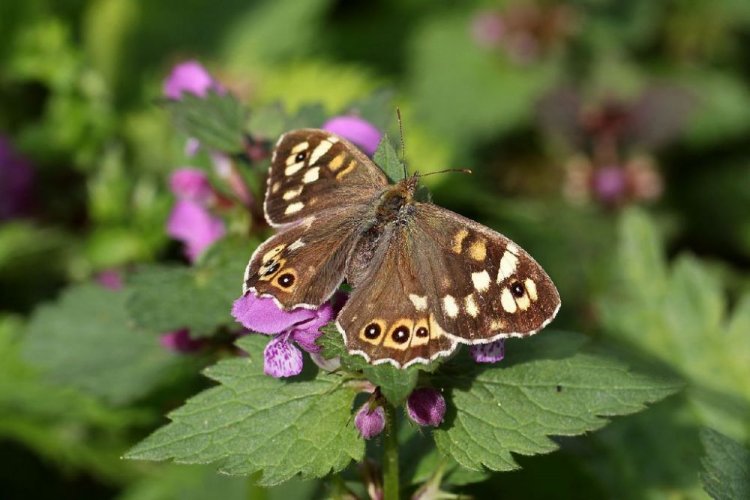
(304, 264)
(314, 170)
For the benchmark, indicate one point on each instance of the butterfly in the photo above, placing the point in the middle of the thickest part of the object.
(423, 279)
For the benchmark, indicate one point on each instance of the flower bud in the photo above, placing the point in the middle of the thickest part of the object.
(488, 353)
(426, 406)
(370, 421)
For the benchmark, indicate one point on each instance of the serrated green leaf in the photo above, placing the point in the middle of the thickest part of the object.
(170, 297)
(395, 384)
(86, 340)
(387, 159)
(549, 387)
(726, 467)
(252, 422)
(216, 120)
(678, 314)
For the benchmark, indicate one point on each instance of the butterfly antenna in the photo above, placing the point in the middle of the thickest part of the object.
(459, 170)
(403, 146)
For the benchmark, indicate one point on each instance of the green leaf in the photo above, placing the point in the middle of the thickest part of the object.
(85, 340)
(549, 387)
(678, 314)
(252, 422)
(216, 120)
(387, 159)
(726, 467)
(169, 297)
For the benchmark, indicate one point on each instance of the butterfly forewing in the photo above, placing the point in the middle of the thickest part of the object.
(313, 170)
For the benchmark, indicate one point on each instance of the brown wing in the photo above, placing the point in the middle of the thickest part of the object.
(305, 263)
(480, 285)
(440, 279)
(387, 318)
(312, 171)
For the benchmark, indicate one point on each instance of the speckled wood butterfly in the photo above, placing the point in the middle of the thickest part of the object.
(423, 278)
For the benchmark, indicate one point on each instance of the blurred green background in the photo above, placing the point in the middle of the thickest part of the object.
(610, 139)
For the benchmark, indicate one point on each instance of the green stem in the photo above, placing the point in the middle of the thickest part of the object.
(390, 455)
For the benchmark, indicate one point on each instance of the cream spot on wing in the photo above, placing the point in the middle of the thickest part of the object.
(333, 139)
(302, 146)
(276, 186)
(337, 162)
(420, 303)
(450, 306)
(497, 324)
(296, 245)
(294, 208)
(531, 288)
(507, 301)
(512, 248)
(294, 168)
(311, 175)
(435, 331)
(273, 252)
(458, 239)
(292, 193)
(471, 306)
(508, 264)
(346, 171)
(319, 151)
(478, 250)
(481, 281)
(523, 302)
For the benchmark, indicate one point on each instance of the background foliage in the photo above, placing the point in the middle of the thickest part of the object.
(547, 102)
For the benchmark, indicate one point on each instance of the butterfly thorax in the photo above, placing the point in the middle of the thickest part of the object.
(396, 202)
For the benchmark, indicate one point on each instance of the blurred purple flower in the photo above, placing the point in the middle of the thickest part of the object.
(191, 223)
(488, 353)
(610, 184)
(487, 28)
(191, 184)
(370, 421)
(180, 341)
(426, 406)
(299, 326)
(192, 145)
(110, 279)
(16, 182)
(192, 77)
(361, 132)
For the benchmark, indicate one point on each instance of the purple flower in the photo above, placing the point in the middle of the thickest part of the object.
(179, 341)
(488, 353)
(487, 28)
(16, 181)
(355, 129)
(299, 326)
(370, 421)
(191, 77)
(610, 184)
(191, 184)
(426, 406)
(191, 223)
(110, 279)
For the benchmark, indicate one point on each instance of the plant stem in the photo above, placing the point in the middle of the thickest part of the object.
(390, 455)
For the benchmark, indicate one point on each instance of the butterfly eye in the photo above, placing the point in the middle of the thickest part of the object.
(422, 332)
(400, 334)
(300, 156)
(517, 290)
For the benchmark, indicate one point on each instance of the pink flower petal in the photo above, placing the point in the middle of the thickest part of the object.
(192, 224)
(488, 353)
(190, 184)
(110, 279)
(261, 314)
(281, 358)
(361, 132)
(191, 77)
(426, 406)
